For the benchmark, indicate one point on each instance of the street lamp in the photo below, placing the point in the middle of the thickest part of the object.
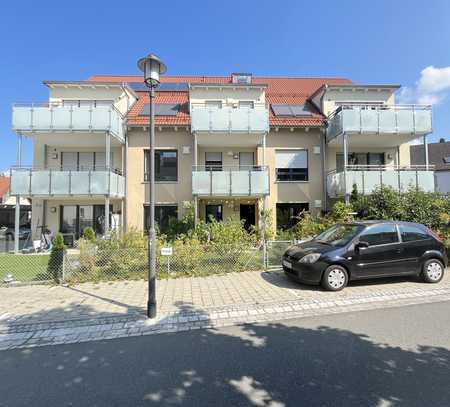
(152, 67)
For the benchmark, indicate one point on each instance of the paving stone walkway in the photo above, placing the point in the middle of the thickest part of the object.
(43, 315)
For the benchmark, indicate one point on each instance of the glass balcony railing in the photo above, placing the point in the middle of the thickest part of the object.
(367, 178)
(229, 120)
(230, 181)
(396, 119)
(55, 117)
(48, 182)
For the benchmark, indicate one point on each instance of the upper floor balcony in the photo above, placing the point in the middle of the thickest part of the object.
(228, 119)
(367, 178)
(414, 120)
(33, 182)
(222, 181)
(55, 117)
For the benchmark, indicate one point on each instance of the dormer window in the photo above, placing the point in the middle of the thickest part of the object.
(241, 78)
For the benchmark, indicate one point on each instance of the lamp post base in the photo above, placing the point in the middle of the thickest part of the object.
(151, 309)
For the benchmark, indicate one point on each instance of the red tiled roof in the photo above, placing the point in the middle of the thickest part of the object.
(294, 91)
(4, 186)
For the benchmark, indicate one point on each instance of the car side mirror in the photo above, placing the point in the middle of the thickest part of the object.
(361, 246)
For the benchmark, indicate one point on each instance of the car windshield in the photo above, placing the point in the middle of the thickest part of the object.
(339, 235)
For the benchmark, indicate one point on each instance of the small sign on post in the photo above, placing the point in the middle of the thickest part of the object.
(167, 251)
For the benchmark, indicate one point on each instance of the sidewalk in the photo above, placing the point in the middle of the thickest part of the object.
(41, 315)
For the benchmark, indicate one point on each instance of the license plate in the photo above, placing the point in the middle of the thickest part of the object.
(287, 264)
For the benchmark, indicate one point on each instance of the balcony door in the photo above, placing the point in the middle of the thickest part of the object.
(213, 161)
(247, 214)
(246, 161)
(214, 212)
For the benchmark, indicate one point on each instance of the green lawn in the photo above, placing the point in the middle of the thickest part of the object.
(25, 267)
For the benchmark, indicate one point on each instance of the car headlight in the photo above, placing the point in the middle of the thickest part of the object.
(310, 258)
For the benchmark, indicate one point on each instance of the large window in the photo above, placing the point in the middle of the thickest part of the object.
(359, 159)
(292, 165)
(85, 161)
(163, 215)
(166, 165)
(288, 214)
(380, 234)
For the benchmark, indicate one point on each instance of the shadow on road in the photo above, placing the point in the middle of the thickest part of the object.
(275, 364)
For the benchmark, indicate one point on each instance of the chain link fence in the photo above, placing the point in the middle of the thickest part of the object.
(90, 262)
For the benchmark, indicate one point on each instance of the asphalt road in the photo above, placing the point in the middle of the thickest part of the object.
(391, 357)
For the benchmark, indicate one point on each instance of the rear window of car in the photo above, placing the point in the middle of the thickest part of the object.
(380, 234)
(411, 233)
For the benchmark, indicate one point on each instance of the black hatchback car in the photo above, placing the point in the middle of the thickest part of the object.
(368, 249)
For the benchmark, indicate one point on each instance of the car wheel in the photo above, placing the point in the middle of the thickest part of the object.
(334, 278)
(432, 271)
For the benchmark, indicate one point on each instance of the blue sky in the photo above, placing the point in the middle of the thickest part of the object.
(405, 42)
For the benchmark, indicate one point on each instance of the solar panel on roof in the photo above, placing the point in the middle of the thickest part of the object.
(161, 109)
(163, 87)
(299, 110)
(290, 110)
(281, 110)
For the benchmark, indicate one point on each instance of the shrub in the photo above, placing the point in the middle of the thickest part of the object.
(55, 264)
(89, 234)
(384, 203)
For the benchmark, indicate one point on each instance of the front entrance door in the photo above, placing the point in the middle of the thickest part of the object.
(248, 215)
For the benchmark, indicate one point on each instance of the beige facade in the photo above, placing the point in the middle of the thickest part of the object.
(193, 146)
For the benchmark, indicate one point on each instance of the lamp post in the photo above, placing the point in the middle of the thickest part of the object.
(152, 67)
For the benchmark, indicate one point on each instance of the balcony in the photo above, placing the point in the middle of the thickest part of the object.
(66, 183)
(230, 181)
(393, 119)
(46, 118)
(368, 177)
(229, 120)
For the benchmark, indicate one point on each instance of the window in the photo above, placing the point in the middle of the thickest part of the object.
(213, 104)
(411, 233)
(166, 165)
(292, 165)
(85, 161)
(446, 160)
(288, 214)
(246, 104)
(339, 235)
(213, 212)
(359, 159)
(380, 234)
(213, 161)
(163, 215)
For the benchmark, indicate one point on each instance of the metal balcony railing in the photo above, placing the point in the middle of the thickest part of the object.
(230, 181)
(229, 119)
(368, 177)
(395, 119)
(61, 182)
(49, 117)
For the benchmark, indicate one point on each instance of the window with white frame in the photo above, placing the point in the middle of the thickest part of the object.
(291, 165)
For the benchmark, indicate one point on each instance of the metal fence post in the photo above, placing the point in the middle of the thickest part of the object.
(63, 271)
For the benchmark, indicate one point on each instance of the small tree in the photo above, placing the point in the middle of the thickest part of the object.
(89, 234)
(55, 264)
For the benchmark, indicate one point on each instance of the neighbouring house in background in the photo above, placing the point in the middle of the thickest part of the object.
(232, 145)
(439, 156)
(8, 205)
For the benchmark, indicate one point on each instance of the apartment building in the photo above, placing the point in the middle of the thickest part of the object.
(232, 146)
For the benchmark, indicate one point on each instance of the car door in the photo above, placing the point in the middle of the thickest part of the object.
(383, 256)
(415, 241)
